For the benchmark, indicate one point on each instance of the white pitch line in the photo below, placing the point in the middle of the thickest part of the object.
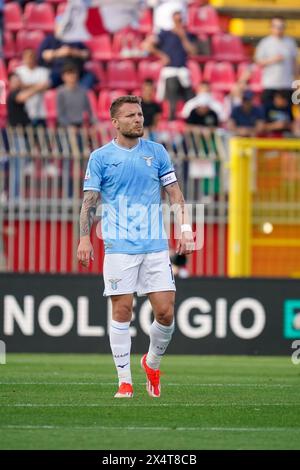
(104, 384)
(132, 404)
(153, 428)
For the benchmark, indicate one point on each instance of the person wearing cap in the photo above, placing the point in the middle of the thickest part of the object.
(246, 120)
(203, 115)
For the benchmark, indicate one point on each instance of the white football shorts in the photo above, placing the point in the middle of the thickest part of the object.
(142, 273)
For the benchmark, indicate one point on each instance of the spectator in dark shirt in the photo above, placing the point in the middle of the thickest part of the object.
(173, 48)
(278, 115)
(203, 115)
(17, 118)
(246, 120)
(73, 106)
(17, 97)
(151, 109)
(55, 53)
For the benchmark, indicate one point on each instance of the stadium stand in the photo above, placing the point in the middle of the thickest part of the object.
(9, 46)
(254, 82)
(228, 47)
(28, 39)
(122, 75)
(97, 68)
(104, 100)
(39, 16)
(148, 69)
(220, 75)
(100, 47)
(50, 105)
(13, 17)
(203, 20)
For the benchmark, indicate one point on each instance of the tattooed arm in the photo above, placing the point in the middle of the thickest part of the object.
(85, 251)
(185, 243)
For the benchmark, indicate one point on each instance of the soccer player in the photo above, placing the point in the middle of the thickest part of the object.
(128, 172)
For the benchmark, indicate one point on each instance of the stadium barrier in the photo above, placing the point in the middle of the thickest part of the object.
(264, 208)
(41, 177)
(67, 313)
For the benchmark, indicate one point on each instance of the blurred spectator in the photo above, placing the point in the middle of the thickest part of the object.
(246, 120)
(31, 74)
(203, 90)
(277, 54)
(55, 53)
(73, 106)
(151, 109)
(16, 99)
(173, 48)
(203, 115)
(235, 97)
(17, 118)
(163, 13)
(278, 115)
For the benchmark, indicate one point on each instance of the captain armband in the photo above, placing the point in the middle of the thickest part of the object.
(168, 178)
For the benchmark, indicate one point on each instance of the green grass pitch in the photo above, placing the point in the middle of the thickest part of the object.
(208, 402)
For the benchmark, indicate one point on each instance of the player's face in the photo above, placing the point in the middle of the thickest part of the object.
(129, 120)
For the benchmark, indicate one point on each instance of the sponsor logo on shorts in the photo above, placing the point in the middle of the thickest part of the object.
(114, 283)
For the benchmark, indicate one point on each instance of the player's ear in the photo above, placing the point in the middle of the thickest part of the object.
(115, 123)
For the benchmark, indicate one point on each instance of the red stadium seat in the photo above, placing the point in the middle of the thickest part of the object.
(28, 39)
(147, 69)
(122, 75)
(126, 44)
(105, 99)
(100, 47)
(226, 47)
(39, 16)
(3, 71)
(55, 2)
(13, 16)
(50, 105)
(195, 72)
(203, 20)
(60, 7)
(146, 22)
(97, 69)
(166, 110)
(93, 101)
(9, 46)
(13, 64)
(3, 107)
(255, 80)
(220, 75)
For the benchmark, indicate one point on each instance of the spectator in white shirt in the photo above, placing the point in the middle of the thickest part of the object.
(31, 74)
(277, 55)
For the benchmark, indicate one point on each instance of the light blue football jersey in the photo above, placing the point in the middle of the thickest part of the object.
(130, 181)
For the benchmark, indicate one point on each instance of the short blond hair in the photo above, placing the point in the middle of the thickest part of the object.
(118, 102)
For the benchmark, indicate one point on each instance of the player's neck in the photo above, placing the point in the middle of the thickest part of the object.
(126, 142)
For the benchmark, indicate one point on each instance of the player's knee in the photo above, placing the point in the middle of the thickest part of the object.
(122, 313)
(165, 316)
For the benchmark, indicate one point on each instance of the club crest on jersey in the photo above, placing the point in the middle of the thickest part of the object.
(148, 160)
(114, 283)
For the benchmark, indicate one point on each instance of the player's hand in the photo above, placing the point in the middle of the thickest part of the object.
(186, 244)
(85, 252)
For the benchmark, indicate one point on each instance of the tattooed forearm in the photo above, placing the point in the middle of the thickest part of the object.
(88, 211)
(178, 203)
